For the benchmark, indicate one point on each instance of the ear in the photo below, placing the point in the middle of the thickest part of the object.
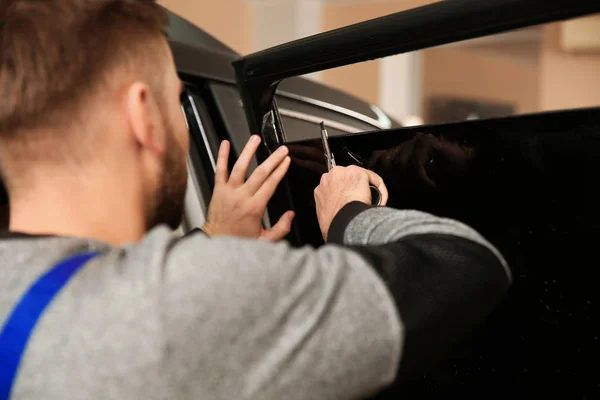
(142, 117)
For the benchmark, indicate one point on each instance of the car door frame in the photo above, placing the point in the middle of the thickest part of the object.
(258, 75)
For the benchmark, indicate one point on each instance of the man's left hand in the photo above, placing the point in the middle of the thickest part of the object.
(237, 206)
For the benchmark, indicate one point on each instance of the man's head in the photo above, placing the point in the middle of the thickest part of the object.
(89, 91)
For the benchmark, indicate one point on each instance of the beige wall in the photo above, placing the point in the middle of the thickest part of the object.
(567, 80)
(581, 34)
(467, 74)
(230, 21)
(361, 80)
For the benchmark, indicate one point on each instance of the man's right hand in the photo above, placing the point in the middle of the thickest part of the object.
(343, 185)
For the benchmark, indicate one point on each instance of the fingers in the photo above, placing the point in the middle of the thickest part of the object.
(238, 174)
(222, 169)
(268, 187)
(377, 181)
(262, 174)
(280, 229)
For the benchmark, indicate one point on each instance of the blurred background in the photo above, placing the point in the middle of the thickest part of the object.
(550, 67)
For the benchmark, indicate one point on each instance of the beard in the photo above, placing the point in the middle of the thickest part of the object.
(168, 200)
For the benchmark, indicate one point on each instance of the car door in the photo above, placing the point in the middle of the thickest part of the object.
(524, 182)
(213, 109)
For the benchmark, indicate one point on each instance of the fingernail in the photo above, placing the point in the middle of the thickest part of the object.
(291, 215)
(283, 150)
(255, 139)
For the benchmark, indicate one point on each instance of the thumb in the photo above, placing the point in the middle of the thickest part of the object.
(280, 229)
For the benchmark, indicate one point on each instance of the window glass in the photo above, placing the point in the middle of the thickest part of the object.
(527, 184)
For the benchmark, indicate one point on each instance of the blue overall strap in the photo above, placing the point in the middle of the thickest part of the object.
(24, 317)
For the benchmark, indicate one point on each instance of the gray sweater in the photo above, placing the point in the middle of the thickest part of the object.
(224, 318)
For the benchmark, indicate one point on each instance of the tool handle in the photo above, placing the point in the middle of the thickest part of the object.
(375, 196)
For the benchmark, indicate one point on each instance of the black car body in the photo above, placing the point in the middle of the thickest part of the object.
(214, 112)
(527, 183)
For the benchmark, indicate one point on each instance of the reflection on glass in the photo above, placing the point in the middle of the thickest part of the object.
(528, 185)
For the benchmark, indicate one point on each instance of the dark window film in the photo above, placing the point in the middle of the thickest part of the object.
(528, 185)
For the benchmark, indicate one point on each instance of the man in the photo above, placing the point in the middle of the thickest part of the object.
(92, 152)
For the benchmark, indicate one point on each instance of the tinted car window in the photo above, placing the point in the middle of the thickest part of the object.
(291, 109)
(310, 89)
(300, 119)
(528, 185)
(229, 105)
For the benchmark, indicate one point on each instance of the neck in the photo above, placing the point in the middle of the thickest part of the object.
(76, 208)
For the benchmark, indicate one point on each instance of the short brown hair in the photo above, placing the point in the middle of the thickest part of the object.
(55, 53)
